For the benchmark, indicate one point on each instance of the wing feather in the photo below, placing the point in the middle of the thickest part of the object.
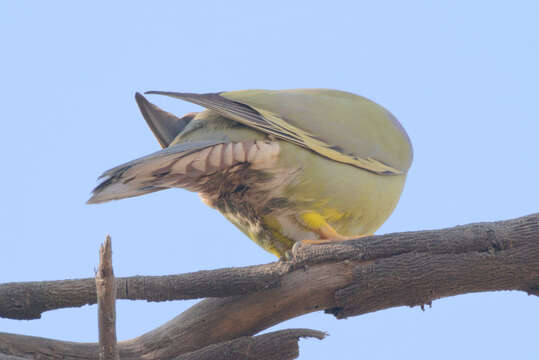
(186, 165)
(147, 174)
(280, 127)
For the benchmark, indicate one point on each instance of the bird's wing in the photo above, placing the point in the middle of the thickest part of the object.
(340, 126)
(184, 165)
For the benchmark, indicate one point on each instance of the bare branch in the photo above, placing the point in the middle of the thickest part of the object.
(278, 345)
(275, 345)
(9, 357)
(28, 300)
(106, 300)
(32, 347)
(500, 255)
(348, 278)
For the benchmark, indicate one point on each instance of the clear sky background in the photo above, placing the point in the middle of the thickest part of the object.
(462, 77)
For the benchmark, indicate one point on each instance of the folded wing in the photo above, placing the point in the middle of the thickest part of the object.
(336, 133)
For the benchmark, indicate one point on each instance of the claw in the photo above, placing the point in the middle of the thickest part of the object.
(296, 246)
(287, 256)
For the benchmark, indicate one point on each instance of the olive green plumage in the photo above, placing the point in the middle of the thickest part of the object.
(283, 166)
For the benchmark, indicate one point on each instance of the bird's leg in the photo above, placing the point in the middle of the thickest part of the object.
(318, 224)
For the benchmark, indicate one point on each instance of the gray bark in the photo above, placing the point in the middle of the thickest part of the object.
(344, 278)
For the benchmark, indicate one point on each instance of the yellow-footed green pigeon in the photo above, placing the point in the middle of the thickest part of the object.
(284, 166)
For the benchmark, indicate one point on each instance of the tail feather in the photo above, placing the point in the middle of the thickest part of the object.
(164, 125)
(146, 174)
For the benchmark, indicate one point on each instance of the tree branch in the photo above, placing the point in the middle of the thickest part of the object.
(278, 345)
(106, 300)
(28, 300)
(347, 278)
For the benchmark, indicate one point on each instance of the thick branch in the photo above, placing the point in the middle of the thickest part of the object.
(106, 300)
(354, 277)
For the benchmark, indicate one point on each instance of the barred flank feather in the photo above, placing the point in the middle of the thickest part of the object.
(181, 165)
(138, 177)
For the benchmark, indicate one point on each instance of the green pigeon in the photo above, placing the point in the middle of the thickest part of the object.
(284, 166)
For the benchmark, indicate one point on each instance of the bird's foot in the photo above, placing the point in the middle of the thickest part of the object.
(287, 256)
(290, 255)
(325, 241)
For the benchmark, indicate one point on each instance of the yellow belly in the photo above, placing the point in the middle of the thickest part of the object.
(323, 196)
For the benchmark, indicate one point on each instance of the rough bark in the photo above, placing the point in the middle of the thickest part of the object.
(106, 300)
(278, 345)
(345, 279)
(28, 300)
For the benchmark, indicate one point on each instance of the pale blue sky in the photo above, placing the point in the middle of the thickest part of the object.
(462, 77)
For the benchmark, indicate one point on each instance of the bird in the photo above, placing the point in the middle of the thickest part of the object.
(284, 166)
